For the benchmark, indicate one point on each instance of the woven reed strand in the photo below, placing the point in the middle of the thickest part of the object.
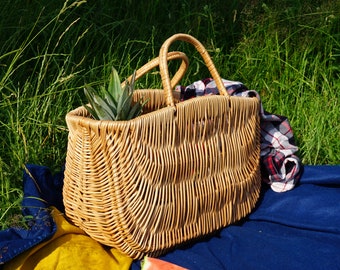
(179, 171)
(144, 185)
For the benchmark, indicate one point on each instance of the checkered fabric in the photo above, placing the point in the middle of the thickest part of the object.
(280, 167)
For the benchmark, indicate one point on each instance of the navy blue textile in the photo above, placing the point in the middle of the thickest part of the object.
(41, 190)
(298, 229)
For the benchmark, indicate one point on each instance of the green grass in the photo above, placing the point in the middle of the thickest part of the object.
(288, 51)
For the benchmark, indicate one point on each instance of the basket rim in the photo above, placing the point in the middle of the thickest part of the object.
(81, 114)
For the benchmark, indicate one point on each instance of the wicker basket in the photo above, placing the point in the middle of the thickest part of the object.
(180, 171)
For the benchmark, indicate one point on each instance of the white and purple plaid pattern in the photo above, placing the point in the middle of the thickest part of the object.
(280, 167)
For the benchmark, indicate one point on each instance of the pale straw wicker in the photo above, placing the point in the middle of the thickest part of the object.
(180, 171)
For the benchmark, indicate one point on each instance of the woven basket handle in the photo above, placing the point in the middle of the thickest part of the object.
(155, 63)
(163, 65)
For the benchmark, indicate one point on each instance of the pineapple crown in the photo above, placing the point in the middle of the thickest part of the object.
(114, 102)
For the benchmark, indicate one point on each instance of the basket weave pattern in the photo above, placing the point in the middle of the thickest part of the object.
(180, 171)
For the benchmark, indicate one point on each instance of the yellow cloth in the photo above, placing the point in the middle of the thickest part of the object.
(69, 248)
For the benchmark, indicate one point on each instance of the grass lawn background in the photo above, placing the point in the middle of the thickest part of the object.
(289, 51)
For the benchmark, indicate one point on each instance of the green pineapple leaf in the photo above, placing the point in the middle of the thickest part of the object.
(88, 90)
(114, 88)
(123, 104)
(92, 112)
(99, 108)
(135, 110)
(114, 102)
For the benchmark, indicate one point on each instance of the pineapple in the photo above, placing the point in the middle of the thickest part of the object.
(115, 102)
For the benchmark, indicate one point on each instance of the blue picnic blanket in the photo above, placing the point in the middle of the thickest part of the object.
(41, 189)
(299, 229)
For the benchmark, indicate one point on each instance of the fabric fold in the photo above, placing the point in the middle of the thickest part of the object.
(38, 183)
(281, 168)
(50, 241)
(69, 248)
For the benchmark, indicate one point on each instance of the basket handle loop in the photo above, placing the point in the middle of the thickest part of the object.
(155, 63)
(163, 66)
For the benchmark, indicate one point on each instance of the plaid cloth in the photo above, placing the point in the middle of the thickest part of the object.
(280, 167)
